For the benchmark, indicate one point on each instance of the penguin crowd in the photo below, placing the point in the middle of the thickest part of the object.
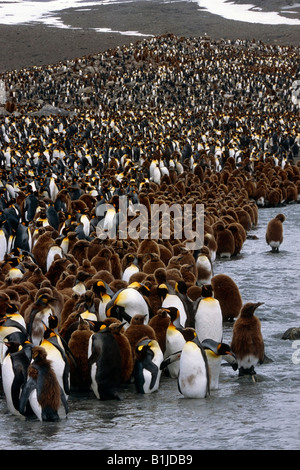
(85, 308)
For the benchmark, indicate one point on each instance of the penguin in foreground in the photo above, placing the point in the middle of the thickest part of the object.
(14, 373)
(42, 389)
(56, 353)
(215, 353)
(247, 341)
(104, 360)
(147, 370)
(175, 341)
(274, 233)
(193, 378)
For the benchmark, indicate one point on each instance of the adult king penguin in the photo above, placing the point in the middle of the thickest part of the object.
(215, 353)
(126, 303)
(208, 316)
(105, 363)
(147, 371)
(193, 377)
(14, 374)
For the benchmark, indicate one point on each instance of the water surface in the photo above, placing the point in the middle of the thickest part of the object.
(241, 415)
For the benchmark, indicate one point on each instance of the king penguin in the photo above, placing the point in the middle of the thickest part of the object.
(147, 370)
(193, 377)
(126, 303)
(105, 364)
(208, 316)
(171, 299)
(274, 232)
(215, 353)
(247, 341)
(42, 389)
(56, 353)
(175, 341)
(14, 374)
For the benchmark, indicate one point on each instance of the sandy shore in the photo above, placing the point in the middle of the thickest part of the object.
(26, 46)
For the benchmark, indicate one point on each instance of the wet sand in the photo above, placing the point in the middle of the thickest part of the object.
(37, 45)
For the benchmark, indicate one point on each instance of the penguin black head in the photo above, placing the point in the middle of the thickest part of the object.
(207, 290)
(12, 308)
(12, 346)
(162, 291)
(181, 287)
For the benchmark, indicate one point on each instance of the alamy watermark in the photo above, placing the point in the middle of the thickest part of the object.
(162, 221)
(296, 353)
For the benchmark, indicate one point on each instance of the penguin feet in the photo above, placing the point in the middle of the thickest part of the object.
(250, 371)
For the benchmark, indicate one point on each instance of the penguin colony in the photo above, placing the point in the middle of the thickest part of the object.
(165, 120)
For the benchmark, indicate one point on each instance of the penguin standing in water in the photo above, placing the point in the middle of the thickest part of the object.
(215, 353)
(14, 373)
(247, 341)
(147, 367)
(175, 340)
(274, 232)
(105, 363)
(42, 389)
(56, 353)
(193, 377)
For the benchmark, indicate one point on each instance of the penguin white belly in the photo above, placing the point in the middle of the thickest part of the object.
(247, 361)
(86, 225)
(38, 327)
(192, 379)
(35, 406)
(3, 334)
(148, 378)
(54, 250)
(7, 381)
(274, 244)
(174, 301)
(109, 220)
(209, 320)
(94, 385)
(132, 269)
(225, 254)
(79, 288)
(174, 343)
(134, 303)
(18, 318)
(204, 267)
(89, 316)
(102, 307)
(57, 362)
(3, 245)
(157, 360)
(214, 365)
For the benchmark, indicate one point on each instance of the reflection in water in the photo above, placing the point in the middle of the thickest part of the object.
(240, 415)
